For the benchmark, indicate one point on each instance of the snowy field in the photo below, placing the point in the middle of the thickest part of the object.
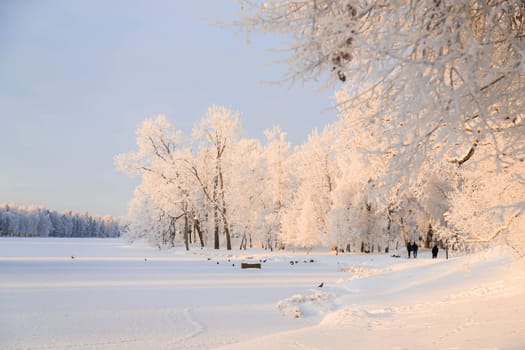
(104, 294)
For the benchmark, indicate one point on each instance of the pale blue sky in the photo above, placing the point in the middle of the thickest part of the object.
(78, 77)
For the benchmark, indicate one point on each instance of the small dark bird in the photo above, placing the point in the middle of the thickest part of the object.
(264, 261)
(228, 260)
(321, 285)
(296, 261)
(209, 258)
(291, 262)
(233, 265)
(72, 257)
(145, 259)
(217, 263)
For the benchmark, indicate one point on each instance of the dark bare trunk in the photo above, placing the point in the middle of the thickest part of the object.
(243, 242)
(186, 229)
(172, 231)
(216, 214)
(216, 234)
(430, 234)
(197, 228)
(227, 233)
(223, 204)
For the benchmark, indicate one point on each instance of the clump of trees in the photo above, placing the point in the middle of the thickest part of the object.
(213, 185)
(33, 221)
(429, 145)
(431, 83)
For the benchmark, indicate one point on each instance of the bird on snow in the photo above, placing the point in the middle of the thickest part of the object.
(291, 262)
(145, 259)
(72, 257)
(321, 285)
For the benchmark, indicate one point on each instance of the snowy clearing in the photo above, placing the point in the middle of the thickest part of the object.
(104, 294)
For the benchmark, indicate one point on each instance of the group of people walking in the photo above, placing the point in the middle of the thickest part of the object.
(412, 248)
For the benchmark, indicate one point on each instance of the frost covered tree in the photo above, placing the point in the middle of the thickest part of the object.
(482, 208)
(435, 79)
(446, 75)
(339, 225)
(145, 221)
(247, 190)
(217, 135)
(316, 171)
(358, 201)
(278, 185)
(187, 181)
(166, 188)
(430, 199)
(308, 223)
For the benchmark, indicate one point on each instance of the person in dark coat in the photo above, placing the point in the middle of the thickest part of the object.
(435, 250)
(409, 249)
(414, 249)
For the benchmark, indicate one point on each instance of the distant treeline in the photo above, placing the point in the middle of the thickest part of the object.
(35, 221)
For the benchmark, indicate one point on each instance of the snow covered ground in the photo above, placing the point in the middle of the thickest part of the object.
(104, 294)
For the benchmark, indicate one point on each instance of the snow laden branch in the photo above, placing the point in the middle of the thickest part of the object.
(442, 76)
(485, 209)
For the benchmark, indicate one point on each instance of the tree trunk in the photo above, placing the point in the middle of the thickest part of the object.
(430, 234)
(216, 215)
(228, 237)
(226, 229)
(223, 202)
(172, 231)
(186, 229)
(216, 235)
(243, 242)
(197, 227)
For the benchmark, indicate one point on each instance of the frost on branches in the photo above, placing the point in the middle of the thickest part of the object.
(432, 82)
(216, 186)
(429, 146)
(201, 189)
(444, 75)
(487, 208)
